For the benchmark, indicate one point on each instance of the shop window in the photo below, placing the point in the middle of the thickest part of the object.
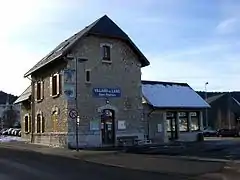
(170, 121)
(183, 121)
(195, 121)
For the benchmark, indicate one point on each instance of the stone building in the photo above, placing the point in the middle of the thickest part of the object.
(96, 73)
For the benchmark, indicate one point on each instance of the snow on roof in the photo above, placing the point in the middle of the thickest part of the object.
(171, 95)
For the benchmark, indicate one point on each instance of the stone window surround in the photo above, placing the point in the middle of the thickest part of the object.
(41, 122)
(40, 97)
(109, 45)
(57, 85)
(29, 123)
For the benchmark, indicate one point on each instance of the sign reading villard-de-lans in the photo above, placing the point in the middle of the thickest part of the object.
(107, 92)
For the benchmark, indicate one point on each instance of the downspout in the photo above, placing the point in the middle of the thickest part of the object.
(148, 116)
(32, 110)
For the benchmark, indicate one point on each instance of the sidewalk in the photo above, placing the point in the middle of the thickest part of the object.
(202, 169)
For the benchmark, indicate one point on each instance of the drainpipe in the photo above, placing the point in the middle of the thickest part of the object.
(148, 124)
(32, 109)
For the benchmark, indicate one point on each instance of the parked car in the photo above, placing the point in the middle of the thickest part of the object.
(209, 132)
(228, 132)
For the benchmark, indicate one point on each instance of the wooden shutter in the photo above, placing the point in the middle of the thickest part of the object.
(58, 83)
(42, 90)
(29, 123)
(35, 89)
(42, 125)
(50, 85)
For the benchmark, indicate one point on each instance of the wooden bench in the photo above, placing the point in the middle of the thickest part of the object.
(127, 140)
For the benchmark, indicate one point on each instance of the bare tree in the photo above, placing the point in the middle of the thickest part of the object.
(9, 117)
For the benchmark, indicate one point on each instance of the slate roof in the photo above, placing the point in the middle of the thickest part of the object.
(169, 95)
(24, 96)
(104, 26)
(214, 98)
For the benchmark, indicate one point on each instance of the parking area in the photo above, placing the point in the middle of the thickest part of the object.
(212, 147)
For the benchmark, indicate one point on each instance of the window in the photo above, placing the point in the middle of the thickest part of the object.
(55, 121)
(55, 85)
(39, 91)
(195, 121)
(183, 121)
(170, 121)
(106, 53)
(42, 125)
(38, 123)
(27, 123)
(87, 76)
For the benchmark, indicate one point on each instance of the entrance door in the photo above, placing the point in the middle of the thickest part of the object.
(171, 118)
(108, 126)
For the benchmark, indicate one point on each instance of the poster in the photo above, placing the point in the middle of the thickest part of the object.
(159, 127)
(121, 125)
(69, 91)
(69, 76)
(94, 125)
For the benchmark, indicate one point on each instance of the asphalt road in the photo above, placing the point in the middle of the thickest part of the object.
(220, 148)
(17, 165)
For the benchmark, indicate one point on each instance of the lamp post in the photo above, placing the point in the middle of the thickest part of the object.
(206, 113)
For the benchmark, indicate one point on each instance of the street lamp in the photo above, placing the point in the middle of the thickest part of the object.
(206, 113)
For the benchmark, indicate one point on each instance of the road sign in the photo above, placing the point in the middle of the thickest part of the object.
(73, 114)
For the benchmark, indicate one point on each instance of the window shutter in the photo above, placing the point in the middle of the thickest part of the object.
(29, 123)
(35, 94)
(36, 123)
(58, 84)
(41, 123)
(42, 90)
(50, 86)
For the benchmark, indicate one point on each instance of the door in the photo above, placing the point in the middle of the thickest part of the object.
(171, 118)
(108, 126)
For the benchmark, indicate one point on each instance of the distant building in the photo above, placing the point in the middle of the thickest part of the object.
(6, 105)
(224, 111)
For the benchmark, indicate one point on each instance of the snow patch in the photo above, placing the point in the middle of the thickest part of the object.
(174, 95)
(10, 139)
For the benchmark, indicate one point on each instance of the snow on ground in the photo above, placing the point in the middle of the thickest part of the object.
(10, 139)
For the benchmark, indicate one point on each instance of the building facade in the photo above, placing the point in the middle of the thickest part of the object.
(95, 74)
(172, 111)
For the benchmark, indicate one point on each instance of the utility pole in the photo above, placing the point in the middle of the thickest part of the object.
(206, 110)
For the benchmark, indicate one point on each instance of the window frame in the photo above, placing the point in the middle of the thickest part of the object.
(86, 76)
(106, 50)
(198, 118)
(39, 90)
(184, 117)
(28, 123)
(40, 123)
(57, 93)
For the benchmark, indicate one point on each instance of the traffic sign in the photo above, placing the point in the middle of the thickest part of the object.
(73, 114)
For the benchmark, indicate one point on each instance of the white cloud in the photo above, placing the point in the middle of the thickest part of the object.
(16, 56)
(220, 74)
(228, 26)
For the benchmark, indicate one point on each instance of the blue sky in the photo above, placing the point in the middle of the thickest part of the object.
(185, 40)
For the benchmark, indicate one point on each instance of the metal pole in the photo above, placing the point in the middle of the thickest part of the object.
(77, 119)
(206, 113)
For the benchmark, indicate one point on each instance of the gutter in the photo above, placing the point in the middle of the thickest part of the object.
(32, 109)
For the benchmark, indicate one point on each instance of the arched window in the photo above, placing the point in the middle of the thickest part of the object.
(27, 123)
